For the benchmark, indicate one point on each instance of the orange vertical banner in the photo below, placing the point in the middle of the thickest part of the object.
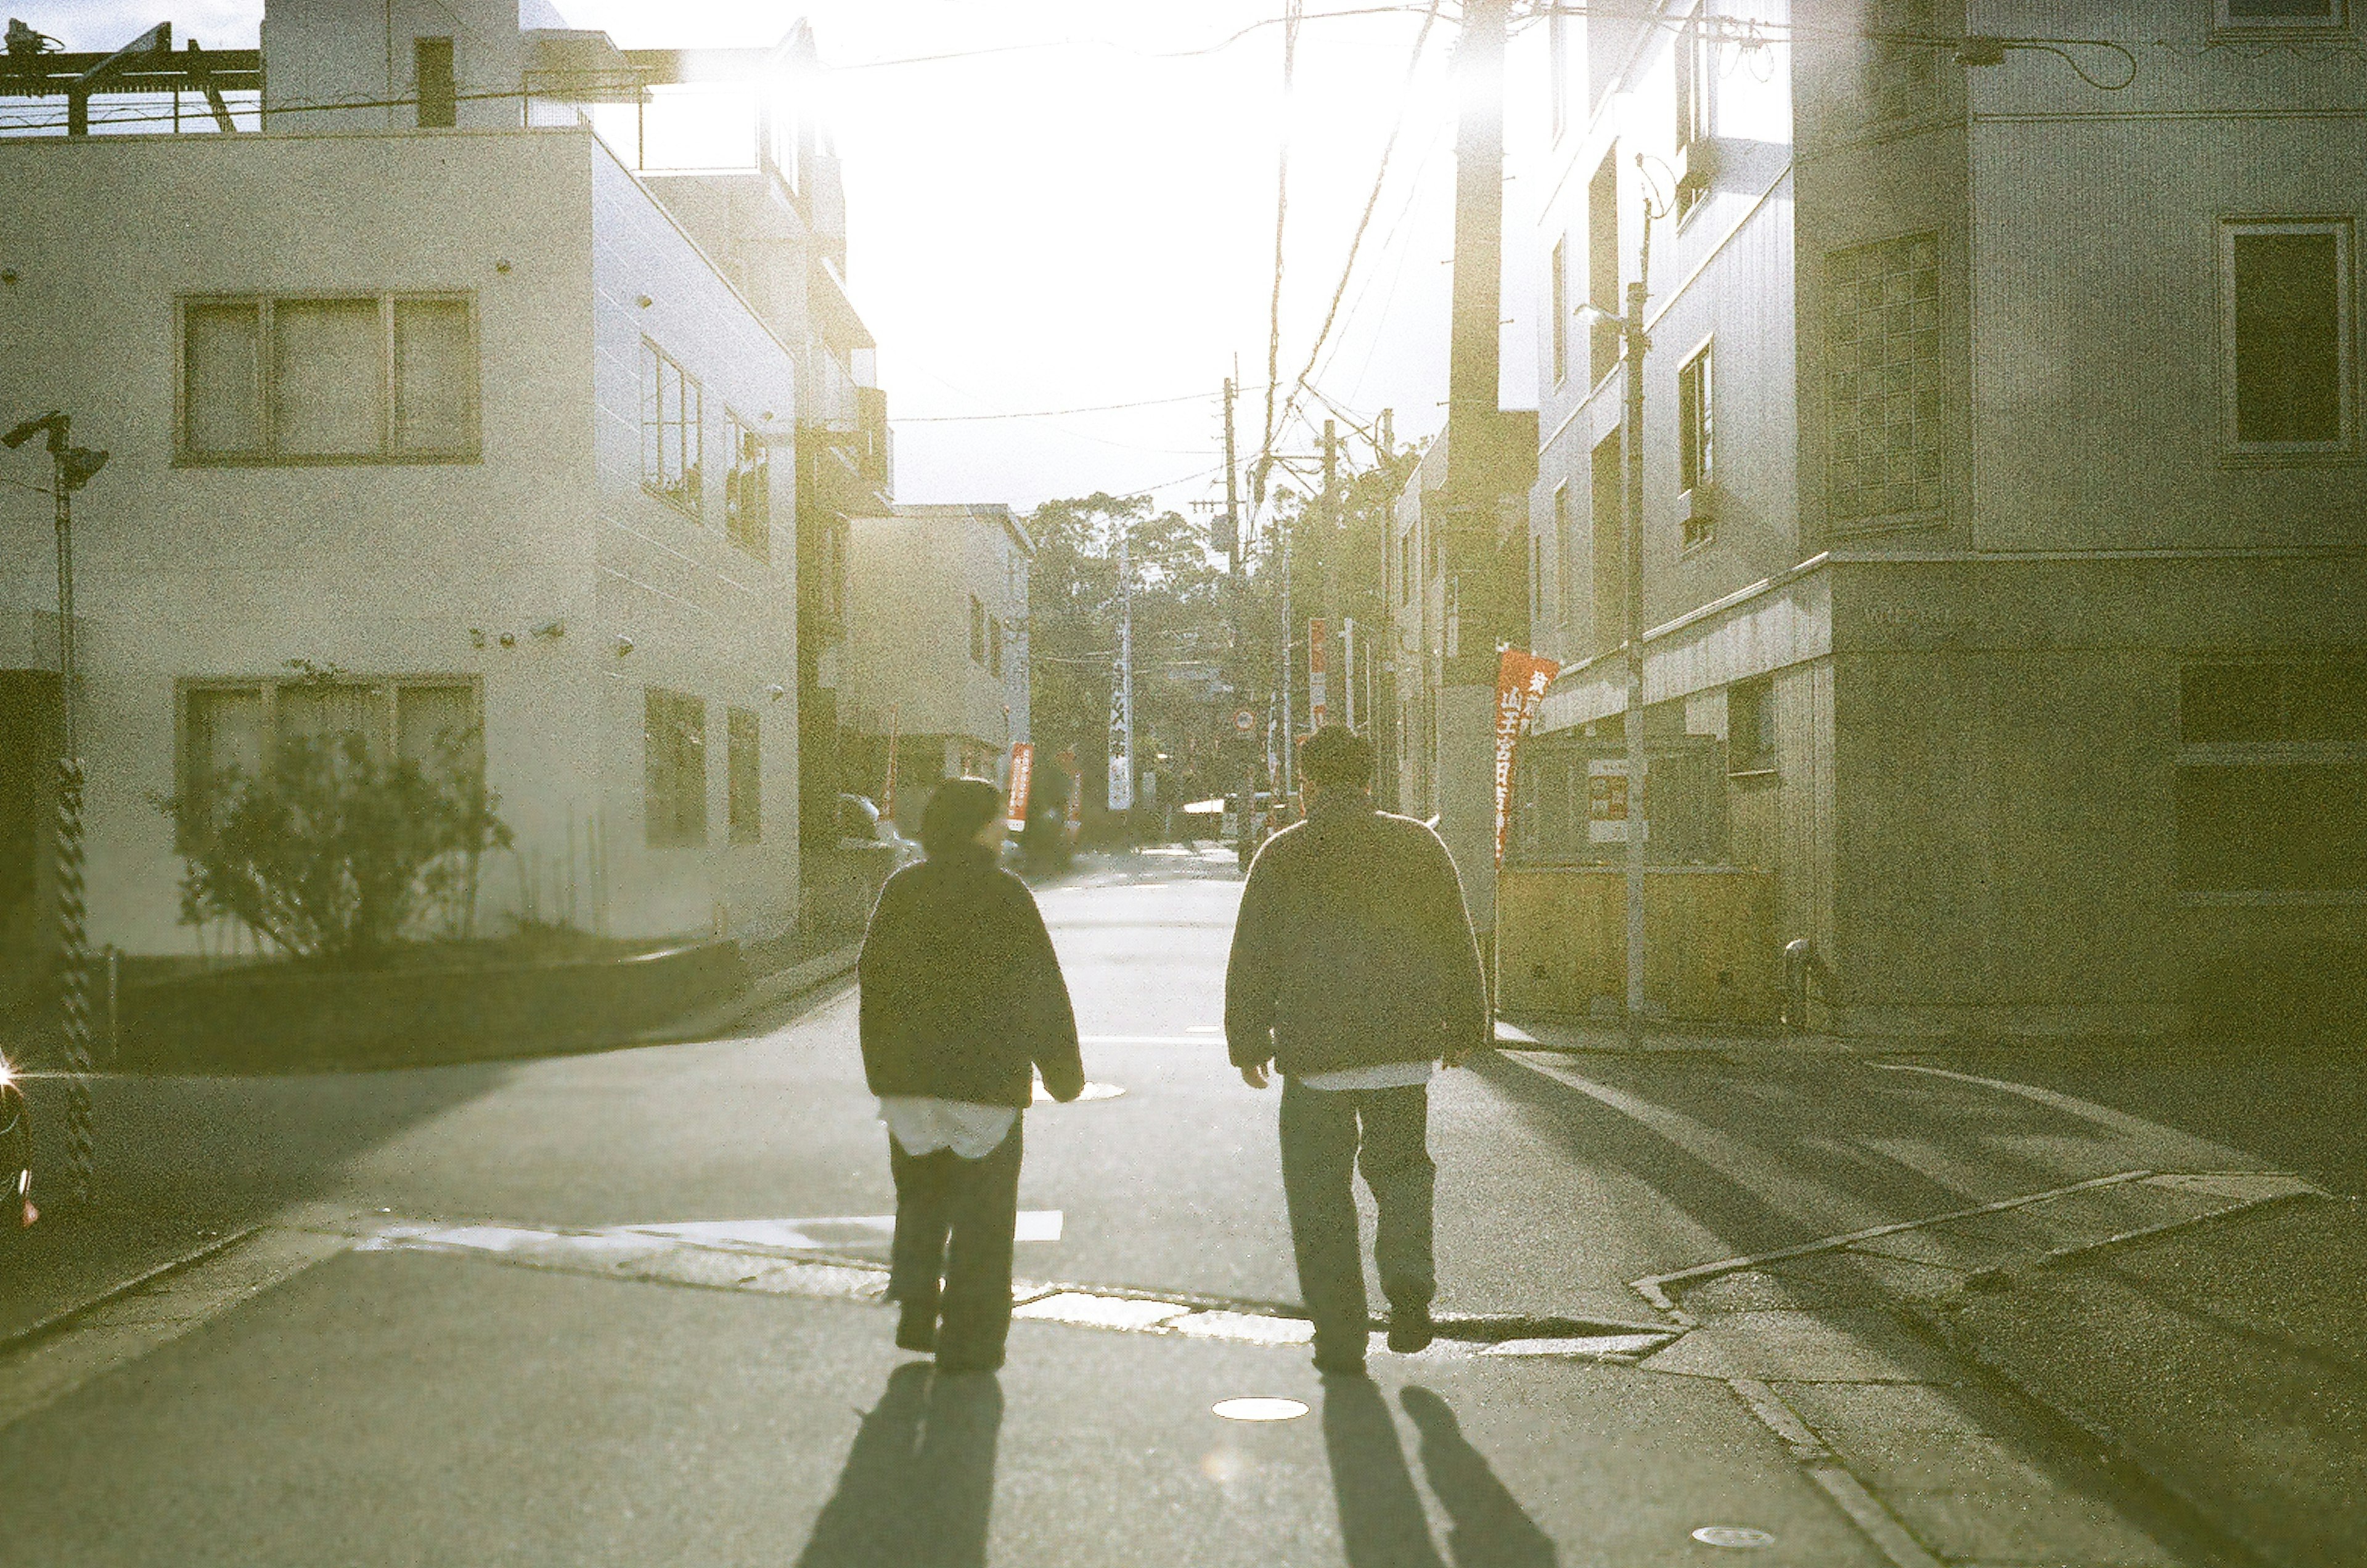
(1521, 678)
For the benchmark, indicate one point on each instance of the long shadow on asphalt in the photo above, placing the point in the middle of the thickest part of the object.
(1744, 1222)
(918, 1489)
(1381, 1520)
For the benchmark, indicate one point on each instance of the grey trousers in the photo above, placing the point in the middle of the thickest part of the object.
(1327, 1136)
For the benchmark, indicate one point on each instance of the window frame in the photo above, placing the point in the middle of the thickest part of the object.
(743, 809)
(2346, 444)
(442, 111)
(679, 832)
(754, 539)
(2281, 751)
(690, 500)
(188, 785)
(2221, 22)
(268, 454)
(1557, 292)
(976, 630)
(1887, 517)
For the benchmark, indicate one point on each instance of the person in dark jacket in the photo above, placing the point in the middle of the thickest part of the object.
(1354, 973)
(963, 1004)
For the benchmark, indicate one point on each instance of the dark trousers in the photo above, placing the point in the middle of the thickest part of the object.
(951, 1263)
(1327, 1136)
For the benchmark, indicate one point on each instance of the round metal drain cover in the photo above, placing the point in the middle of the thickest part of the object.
(1259, 1407)
(1742, 1537)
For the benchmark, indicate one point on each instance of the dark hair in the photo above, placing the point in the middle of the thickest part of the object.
(955, 813)
(1336, 756)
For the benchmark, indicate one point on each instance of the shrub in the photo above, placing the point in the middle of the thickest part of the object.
(334, 850)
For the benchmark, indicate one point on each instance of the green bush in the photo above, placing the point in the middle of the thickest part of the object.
(335, 851)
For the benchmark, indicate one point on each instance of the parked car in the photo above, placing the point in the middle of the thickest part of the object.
(16, 1154)
(860, 825)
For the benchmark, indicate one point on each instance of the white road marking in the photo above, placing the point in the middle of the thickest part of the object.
(1143, 1040)
(820, 1235)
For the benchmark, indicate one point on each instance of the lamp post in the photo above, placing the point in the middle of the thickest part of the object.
(1634, 343)
(71, 468)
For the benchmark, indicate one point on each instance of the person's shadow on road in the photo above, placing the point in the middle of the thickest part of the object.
(919, 1482)
(1381, 1520)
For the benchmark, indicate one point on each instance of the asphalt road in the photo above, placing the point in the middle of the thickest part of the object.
(405, 1406)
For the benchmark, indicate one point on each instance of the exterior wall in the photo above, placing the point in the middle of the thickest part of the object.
(1722, 276)
(378, 568)
(2006, 759)
(1417, 634)
(705, 617)
(2099, 381)
(326, 52)
(389, 570)
(909, 581)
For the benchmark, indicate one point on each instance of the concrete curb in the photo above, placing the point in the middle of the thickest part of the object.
(764, 991)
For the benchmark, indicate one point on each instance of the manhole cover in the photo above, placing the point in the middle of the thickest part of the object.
(1739, 1536)
(1259, 1407)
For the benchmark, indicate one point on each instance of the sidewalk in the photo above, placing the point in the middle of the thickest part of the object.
(2227, 1359)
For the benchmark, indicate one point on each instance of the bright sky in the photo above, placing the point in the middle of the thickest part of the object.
(1084, 216)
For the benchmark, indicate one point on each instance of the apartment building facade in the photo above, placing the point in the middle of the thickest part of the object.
(452, 425)
(2003, 571)
(937, 661)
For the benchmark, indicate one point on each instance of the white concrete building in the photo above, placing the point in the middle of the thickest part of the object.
(938, 646)
(467, 416)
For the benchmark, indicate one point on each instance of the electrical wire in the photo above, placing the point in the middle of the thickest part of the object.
(1356, 241)
(1280, 209)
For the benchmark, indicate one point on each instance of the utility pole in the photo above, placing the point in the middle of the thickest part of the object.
(1331, 523)
(1478, 471)
(70, 468)
(1245, 841)
(1631, 439)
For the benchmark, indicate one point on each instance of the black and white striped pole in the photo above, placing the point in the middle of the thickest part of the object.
(72, 467)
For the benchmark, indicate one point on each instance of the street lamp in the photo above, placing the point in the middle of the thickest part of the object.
(71, 468)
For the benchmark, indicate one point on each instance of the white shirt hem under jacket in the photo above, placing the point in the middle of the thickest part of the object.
(1388, 1075)
(923, 1125)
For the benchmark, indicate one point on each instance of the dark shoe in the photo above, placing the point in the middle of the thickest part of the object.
(1410, 1331)
(914, 1332)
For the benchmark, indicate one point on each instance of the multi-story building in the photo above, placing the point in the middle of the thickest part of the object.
(937, 648)
(429, 411)
(2003, 572)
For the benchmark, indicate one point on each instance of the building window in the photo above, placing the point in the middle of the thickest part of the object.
(672, 410)
(2243, 14)
(1695, 58)
(1536, 584)
(2287, 290)
(977, 631)
(1603, 266)
(673, 743)
(744, 774)
(355, 379)
(994, 647)
(1694, 450)
(1557, 289)
(431, 67)
(2272, 764)
(747, 489)
(1561, 553)
(1751, 727)
(1882, 380)
(233, 728)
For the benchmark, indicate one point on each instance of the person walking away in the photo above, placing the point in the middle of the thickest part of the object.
(1354, 973)
(962, 1004)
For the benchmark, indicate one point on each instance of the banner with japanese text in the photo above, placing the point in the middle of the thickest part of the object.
(1022, 767)
(1521, 678)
